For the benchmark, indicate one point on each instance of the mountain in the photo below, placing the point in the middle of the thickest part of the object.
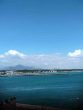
(18, 67)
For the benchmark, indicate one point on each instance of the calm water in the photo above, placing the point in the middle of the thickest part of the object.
(64, 90)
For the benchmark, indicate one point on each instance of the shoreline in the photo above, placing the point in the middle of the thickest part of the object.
(39, 74)
(35, 107)
(20, 106)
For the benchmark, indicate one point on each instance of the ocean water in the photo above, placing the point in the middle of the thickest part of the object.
(61, 90)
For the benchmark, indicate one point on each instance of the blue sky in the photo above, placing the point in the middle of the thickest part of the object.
(41, 26)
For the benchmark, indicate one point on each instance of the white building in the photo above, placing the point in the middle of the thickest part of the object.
(9, 73)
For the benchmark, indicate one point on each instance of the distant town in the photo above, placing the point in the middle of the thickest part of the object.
(37, 72)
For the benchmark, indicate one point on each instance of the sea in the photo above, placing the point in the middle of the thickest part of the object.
(62, 90)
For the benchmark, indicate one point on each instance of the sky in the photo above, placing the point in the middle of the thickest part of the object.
(41, 33)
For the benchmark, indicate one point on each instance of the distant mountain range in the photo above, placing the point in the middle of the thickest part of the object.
(17, 67)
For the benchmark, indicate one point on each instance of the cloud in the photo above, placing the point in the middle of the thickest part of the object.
(14, 57)
(12, 53)
(76, 53)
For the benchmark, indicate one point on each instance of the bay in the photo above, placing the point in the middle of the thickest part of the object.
(61, 90)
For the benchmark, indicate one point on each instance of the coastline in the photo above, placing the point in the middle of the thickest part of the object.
(39, 74)
(35, 107)
(20, 106)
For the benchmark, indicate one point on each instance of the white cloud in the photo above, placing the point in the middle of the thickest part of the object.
(76, 53)
(14, 57)
(12, 53)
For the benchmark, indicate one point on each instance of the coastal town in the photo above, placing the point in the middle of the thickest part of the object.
(37, 72)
